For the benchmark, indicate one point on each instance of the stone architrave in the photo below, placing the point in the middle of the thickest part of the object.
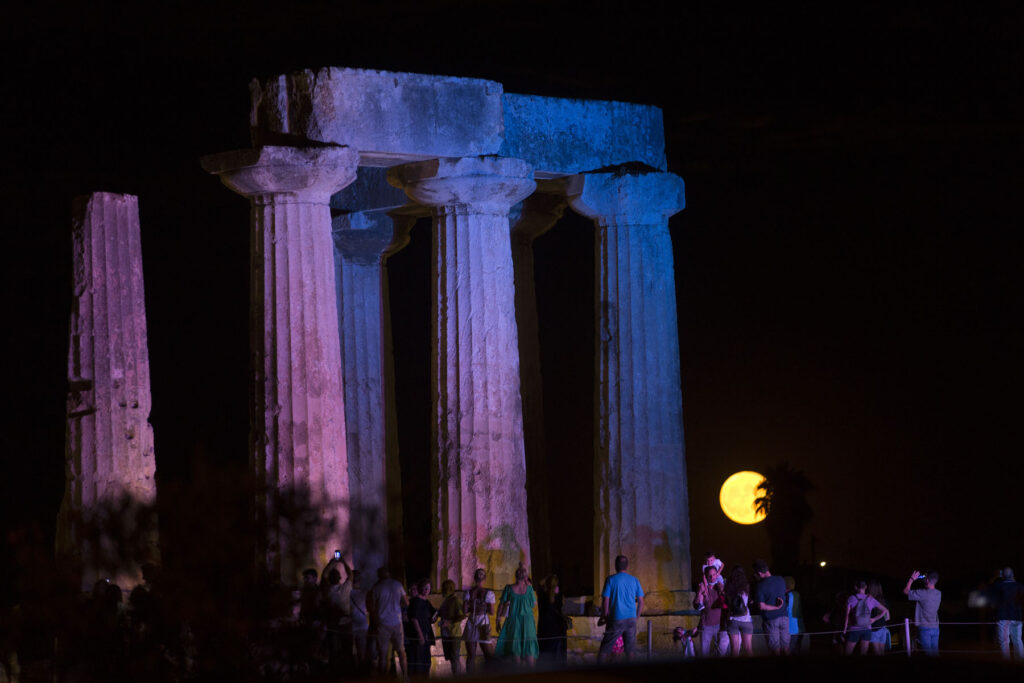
(109, 451)
(641, 498)
(362, 242)
(479, 469)
(298, 421)
(537, 214)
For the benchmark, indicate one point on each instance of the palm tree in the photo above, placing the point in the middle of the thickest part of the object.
(787, 512)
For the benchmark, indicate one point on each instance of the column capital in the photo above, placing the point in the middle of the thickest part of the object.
(627, 196)
(290, 174)
(537, 214)
(484, 184)
(369, 236)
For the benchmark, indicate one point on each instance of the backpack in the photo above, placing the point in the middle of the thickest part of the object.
(738, 606)
(862, 613)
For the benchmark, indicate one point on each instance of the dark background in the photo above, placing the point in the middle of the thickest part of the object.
(847, 267)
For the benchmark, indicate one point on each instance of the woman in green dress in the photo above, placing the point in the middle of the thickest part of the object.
(518, 633)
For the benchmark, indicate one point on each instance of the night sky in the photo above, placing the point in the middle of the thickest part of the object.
(847, 267)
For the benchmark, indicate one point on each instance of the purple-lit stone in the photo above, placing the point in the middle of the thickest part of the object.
(298, 425)
(537, 214)
(362, 241)
(109, 439)
(641, 498)
(479, 470)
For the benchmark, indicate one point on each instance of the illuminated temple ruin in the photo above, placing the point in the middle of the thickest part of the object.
(343, 162)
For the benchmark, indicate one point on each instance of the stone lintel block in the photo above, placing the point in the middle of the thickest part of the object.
(487, 184)
(627, 195)
(304, 174)
(390, 117)
(562, 136)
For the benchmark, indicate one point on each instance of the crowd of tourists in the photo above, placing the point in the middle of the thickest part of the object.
(346, 626)
(390, 628)
(860, 619)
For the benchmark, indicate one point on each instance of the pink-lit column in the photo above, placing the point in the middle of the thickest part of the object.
(641, 499)
(298, 420)
(479, 469)
(109, 451)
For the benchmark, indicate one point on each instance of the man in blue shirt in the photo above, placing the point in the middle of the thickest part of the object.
(771, 598)
(622, 600)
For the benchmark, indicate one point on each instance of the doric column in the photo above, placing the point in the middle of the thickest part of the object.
(362, 241)
(298, 420)
(537, 214)
(641, 500)
(109, 451)
(479, 468)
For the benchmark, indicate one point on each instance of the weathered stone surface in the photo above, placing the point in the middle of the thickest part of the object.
(388, 116)
(642, 507)
(109, 452)
(561, 136)
(479, 470)
(530, 219)
(393, 118)
(361, 242)
(298, 425)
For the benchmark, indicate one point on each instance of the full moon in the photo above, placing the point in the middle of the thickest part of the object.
(737, 497)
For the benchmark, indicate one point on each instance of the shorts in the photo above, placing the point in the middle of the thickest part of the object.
(880, 636)
(857, 635)
(738, 627)
(389, 634)
(477, 633)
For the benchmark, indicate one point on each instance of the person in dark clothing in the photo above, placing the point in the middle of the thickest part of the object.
(1006, 595)
(420, 634)
(770, 597)
(551, 622)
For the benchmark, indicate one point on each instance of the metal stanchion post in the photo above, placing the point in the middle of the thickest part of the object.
(906, 634)
(650, 639)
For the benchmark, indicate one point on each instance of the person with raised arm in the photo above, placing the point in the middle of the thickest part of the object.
(926, 612)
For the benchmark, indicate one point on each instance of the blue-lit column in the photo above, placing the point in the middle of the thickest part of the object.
(362, 242)
(641, 499)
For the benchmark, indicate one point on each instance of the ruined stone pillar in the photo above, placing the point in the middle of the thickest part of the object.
(641, 499)
(479, 469)
(298, 420)
(537, 214)
(110, 465)
(362, 241)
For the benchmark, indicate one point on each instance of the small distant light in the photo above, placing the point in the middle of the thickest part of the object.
(822, 563)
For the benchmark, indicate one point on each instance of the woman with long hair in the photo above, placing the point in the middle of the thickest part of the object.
(741, 625)
(551, 621)
(880, 639)
(857, 624)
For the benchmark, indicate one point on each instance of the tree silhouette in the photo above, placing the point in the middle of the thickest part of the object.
(787, 512)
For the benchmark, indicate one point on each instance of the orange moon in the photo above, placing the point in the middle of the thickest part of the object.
(737, 497)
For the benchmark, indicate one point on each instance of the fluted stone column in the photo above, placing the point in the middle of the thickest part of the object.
(362, 241)
(479, 469)
(298, 421)
(537, 214)
(641, 499)
(109, 449)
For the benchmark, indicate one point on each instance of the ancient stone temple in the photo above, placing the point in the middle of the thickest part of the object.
(109, 451)
(344, 160)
